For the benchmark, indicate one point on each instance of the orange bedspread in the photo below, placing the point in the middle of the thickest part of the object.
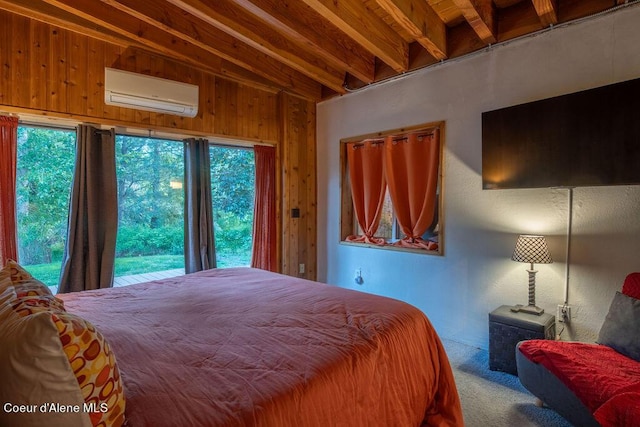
(245, 347)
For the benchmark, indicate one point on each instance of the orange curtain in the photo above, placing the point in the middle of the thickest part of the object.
(411, 165)
(368, 186)
(8, 159)
(264, 253)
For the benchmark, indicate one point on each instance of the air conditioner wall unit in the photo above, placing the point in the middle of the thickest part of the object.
(132, 90)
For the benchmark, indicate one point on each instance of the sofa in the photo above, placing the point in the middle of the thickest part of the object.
(591, 384)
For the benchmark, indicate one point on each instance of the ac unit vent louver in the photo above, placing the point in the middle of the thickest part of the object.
(131, 90)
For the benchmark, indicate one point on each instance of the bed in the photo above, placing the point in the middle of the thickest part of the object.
(246, 347)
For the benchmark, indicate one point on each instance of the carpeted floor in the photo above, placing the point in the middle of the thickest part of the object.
(494, 399)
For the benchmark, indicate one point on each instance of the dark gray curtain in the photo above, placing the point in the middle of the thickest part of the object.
(199, 248)
(93, 214)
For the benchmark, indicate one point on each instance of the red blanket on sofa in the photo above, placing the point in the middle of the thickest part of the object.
(607, 382)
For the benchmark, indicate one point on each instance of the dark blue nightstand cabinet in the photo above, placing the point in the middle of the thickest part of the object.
(507, 328)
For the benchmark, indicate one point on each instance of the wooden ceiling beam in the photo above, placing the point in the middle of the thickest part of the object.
(518, 20)
(233, 20)
(546, 10)
(302, 25)
(43, 12)
(421, 22)
(370, 31)
(481, 15)
(576, 9)
(164, 43)
(173, 20)
(50, 15)
(310, 48)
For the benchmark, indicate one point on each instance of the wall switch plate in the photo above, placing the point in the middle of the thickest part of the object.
(564, 313)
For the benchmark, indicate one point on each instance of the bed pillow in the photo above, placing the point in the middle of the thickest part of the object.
(95, 368)
(26, 305)
(22, 280)
(14, 271)
(621, 327)
(7, 293)
(51, 359)
(631, 285)
(32, 287)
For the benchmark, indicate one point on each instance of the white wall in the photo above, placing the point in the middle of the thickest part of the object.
(476, 275)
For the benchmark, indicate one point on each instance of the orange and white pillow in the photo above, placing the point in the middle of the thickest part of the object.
(27, 304)
(12, 274)
(56, 368)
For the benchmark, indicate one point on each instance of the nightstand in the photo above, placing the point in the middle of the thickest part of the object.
(507, 328)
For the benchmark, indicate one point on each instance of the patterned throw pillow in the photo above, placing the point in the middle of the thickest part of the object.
(49, 356)
(15, 272)
(22, 280)
(7, 296)
(95, 367)
(32, 288)
(26, 304)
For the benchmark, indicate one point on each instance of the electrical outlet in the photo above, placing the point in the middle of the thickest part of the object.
(564, 313)
(301, 268)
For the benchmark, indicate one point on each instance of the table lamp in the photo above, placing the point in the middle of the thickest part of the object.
(533, 250)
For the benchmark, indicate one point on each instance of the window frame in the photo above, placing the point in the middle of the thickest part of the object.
(119, 132)
(348, 221)
(179, 139)
(57, 127)
(71, 125)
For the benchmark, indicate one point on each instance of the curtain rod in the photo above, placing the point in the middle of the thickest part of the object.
(103, 131)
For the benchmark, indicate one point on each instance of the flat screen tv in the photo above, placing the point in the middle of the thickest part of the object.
(588, 138)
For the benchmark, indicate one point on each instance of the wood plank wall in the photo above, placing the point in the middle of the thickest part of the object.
(49, 71)
(299, 176)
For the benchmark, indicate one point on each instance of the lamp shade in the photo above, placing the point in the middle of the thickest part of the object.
(531, 249)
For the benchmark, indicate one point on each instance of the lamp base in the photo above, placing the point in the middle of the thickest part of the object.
(531, 309)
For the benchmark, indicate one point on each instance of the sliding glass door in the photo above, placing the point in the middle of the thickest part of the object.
(150, 208)
(150, 172)
(44, 174)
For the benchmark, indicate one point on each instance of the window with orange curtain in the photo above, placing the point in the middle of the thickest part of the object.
(368, 188)
(408, 206)
(411, 165)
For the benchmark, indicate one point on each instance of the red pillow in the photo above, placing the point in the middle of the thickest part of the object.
(631, 286)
